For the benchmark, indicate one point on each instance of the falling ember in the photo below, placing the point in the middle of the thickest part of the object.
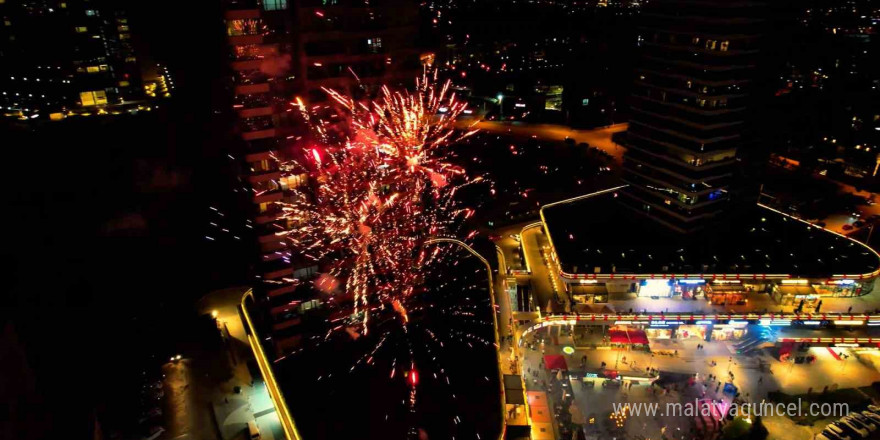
(380, 185)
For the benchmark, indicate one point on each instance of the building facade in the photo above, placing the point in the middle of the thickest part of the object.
(282, 51)
(691, 106)
(65, 55)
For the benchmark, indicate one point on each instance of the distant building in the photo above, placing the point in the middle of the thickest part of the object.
(690, 109)
(62, 55)
(282, 50)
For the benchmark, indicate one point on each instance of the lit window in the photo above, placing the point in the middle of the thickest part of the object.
(124, 84)
(130, 59)
(93, 69)
(122, 28)
(124, 36)
(91, 13)
(374, 44)
(7, 22)
(710, 44)
(695, 40)
(724, 45)
(274, 5)
(81, 29)
(93, 98)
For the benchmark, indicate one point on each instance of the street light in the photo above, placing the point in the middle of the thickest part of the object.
(501, 106)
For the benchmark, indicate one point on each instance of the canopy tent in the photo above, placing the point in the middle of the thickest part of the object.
(618, 337)
(628, 336)
(555, 362)
(637, 336)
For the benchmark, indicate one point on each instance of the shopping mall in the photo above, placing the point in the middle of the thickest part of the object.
(600, 247)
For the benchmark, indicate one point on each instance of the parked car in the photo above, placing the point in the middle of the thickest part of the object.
(847, 227)
(858, 223)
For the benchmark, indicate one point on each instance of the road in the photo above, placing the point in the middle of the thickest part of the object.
(599, 137)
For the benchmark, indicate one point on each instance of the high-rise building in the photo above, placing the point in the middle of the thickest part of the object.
(63, 55)
(282, 50)
(691, 105)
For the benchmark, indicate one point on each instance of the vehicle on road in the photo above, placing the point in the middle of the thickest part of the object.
(847, 227)
(858, 223)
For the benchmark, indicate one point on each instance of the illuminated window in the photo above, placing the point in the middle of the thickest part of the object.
(274, 5)
(122, 28)
(7, 22)
(130, 59)
(93, 69)
(91, 13)
(710, 44)
(93, 98)
(124, 84)
(81, 29)
(374, 44)
(724, 45)
(695, 40)
(123, 36)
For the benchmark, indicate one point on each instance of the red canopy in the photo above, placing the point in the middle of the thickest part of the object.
(629, 336)
(555, 362)
(618, 337)
(637, 336)
(786, 348)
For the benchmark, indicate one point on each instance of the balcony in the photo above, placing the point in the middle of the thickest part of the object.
(268, 197)
(278, 289)
(259, 134)
(252, 89)
(254, 112)
(246, 65)
(263, 176)
(276, 269)
(241, 40)
(258, 156)
(242, 14)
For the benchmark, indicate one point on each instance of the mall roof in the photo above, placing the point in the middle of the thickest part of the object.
(597, 236)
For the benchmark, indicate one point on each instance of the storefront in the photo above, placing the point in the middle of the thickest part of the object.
(844, 288)
(691, 331)
(726, 292)
(588, 291)
(659, 332)
(689, 289)
(729, 332)
(655, 288)
(792, 292)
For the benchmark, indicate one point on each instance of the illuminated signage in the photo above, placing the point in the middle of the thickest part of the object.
(691, 281)
(707, 322)
(795, 282)
(848, 323)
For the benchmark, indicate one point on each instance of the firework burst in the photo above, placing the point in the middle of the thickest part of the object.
(378, 192)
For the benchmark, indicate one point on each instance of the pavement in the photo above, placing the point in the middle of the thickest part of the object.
(199, 407)
(754, 376)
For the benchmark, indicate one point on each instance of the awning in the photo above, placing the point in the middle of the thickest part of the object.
(555, 362)
(618, 337)
(727, 288)
(637, 336)
(629, 336)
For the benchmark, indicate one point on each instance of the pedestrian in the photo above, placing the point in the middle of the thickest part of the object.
(761, 379)
(849, 310)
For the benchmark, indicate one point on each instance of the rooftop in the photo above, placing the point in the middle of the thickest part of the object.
(597, 235)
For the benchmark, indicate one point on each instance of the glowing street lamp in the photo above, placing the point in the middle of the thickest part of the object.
(501, 106)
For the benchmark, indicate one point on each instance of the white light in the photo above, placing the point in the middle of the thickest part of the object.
(848, 322)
